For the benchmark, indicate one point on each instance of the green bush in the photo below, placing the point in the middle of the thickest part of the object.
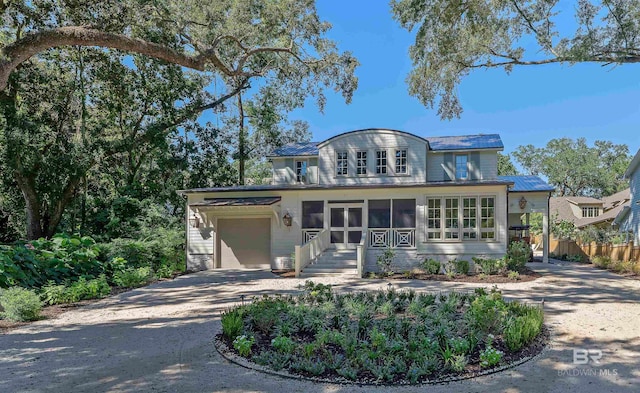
(431, 266)
(20, 304)
(385, 260)
(517, 256)
(243, 345)
(490, 266)
(490, 357)
(232, 324)
(82, 289)
(462, 266)
(133, 277)
(601, 261)
(523, 327)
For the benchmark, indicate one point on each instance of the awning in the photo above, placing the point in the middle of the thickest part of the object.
(249, 201)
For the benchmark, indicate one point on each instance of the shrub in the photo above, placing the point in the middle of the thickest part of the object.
(490, 266)
(461, 266)
(601, 261)
(82, 289)
(132, 277)
(283, 344)
(20, 304)
(232, 324)
(490, 357)
(243, 345)
(523, 328)
(517, 256)
(385, 260)
(512, 275)
(431, 266)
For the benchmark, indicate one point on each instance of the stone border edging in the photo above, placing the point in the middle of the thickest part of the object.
(229, 355)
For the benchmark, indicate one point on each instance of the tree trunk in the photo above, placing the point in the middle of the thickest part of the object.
(242, 142)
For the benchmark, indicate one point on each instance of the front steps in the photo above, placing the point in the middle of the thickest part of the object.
(333, 263)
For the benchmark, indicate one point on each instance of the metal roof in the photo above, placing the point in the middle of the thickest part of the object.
(464, 142)
(527, 184)
(296, 149)
(250, 201)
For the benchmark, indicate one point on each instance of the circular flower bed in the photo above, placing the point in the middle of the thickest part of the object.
(383, 337)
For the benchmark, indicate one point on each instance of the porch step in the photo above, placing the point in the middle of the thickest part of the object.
(333, 262)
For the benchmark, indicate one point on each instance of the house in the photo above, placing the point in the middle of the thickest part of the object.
(585, 211)
(351, 196)
(628, 220)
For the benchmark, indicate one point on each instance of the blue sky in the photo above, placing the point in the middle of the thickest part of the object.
(529, 106)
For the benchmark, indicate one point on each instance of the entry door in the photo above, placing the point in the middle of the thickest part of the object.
(346, 226)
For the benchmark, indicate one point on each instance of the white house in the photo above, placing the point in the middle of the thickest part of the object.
(343, 200)
(628, 220)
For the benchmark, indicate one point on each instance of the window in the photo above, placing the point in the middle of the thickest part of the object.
(381, 162)
(404, 213)
(460, 218)
(379, 213)
(342, 163)
(462, 169)
(469, 220)
(312, 214)
(301, 171)
(487, 218)
(361, 163)
(401, 161)
(592, 211)
(434, 215)
(451, 218)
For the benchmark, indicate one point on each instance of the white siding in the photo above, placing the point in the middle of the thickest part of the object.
(488, 165)
(370, 141)
(632, 222)
(282, 174)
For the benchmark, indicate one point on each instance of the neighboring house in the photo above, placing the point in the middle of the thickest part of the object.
(585, 211)
(438, 197)
(628, 220)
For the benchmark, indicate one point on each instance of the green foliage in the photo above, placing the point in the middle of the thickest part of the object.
(454, 39)
(388, 335)
(82, 289)
(243, 345)
(490, 266)
(133, 277)
(601, 261)
(490, 357)
(524, 325)
(517, 256)
(513, 275)
(232, 324)
(505, 166)
(563, 229)
(20, 304)
(385, 259)
(431, 266)
(462, 266)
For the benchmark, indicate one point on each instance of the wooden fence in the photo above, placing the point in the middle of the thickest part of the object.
(617, 252)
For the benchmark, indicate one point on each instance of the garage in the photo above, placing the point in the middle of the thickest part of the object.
(244, 243)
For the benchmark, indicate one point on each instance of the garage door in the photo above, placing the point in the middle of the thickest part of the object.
(244, 243)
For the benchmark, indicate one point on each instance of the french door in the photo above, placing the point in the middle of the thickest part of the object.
(346, 225)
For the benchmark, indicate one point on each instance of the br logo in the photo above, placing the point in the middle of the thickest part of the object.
(583, 356)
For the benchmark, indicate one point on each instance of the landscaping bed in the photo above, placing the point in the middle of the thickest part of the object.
(524, 275)
(383, 337)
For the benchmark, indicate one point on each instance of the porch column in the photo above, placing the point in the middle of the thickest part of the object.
(545, 234)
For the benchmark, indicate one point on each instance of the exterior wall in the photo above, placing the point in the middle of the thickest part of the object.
(632, 221)
(370, 141)
(200, 244)
(284, 239)
(483, 165)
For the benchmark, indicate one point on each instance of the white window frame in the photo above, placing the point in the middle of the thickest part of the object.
(342, 164)
(466, 167)
(400, 164)
(382, 169)
(456, 231)
(592, 211)
(361, 162)
(299, 176)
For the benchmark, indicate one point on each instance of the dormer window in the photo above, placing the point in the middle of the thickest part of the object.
(590, 211)
(462, 167)
(401, 161)
(301, 171)
(342, 163)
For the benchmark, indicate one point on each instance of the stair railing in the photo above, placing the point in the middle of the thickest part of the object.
(310, 250)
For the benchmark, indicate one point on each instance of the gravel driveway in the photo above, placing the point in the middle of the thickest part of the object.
(159, 338)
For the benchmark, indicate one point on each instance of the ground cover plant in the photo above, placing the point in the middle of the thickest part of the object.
(382, 337)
